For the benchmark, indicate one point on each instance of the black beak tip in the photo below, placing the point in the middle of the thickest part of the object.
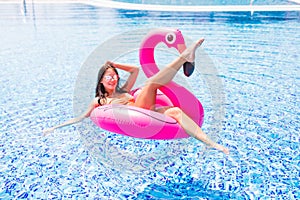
(188, 68)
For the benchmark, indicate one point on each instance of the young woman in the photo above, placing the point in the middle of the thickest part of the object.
(109, 92)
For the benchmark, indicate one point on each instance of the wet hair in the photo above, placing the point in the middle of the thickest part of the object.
(100, 89)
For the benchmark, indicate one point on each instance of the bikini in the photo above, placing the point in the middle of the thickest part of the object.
(129, 99)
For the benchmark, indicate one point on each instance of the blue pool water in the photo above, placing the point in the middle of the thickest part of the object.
(254, 111)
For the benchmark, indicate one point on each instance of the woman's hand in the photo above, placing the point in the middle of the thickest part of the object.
(48, 131)
(109, 63)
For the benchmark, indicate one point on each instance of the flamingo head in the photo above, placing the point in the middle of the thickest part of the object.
(171, 37)
(174, 38)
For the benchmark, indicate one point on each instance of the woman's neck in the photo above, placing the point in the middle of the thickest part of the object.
(111, 93)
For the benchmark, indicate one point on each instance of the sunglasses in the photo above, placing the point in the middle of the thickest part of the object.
(109, 78)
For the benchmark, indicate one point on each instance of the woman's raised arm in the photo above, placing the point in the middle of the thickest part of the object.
(133, 70)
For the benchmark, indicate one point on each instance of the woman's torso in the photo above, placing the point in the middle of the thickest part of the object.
(120, 98)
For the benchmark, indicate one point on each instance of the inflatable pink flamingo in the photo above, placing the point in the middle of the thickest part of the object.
(179, 96)
(141, 123)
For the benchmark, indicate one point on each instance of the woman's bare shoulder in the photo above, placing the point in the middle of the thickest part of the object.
(95, 101)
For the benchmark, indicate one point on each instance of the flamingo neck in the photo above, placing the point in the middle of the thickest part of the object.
(147, 60)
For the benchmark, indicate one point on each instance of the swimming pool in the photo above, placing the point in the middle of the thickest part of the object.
(43, 48)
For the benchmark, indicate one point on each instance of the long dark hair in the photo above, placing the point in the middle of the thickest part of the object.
(100, 89)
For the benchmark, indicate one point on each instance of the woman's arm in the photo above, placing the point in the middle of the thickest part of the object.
(74, 120)
(133, 70)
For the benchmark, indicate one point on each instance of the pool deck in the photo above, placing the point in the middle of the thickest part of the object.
(295, 1)
(152, 7)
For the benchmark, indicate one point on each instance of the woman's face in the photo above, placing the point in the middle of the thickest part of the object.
(110, 80)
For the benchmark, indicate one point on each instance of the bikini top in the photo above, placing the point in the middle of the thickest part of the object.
(123, 99)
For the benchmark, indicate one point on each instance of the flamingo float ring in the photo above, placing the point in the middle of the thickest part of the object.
(141, 123)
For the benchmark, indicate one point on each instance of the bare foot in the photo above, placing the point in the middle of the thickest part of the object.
(221, 148)
(189, 53)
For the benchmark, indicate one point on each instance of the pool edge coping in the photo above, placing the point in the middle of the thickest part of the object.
(174, 8)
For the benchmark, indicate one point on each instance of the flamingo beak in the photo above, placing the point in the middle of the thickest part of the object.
(181, 47)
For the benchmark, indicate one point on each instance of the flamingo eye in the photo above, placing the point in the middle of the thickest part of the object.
(170, 38)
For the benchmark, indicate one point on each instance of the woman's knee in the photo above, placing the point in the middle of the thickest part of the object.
(150, 84)
(174, 112)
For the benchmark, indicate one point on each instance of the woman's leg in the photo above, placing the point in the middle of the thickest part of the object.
(191, 127)
(147, 96)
